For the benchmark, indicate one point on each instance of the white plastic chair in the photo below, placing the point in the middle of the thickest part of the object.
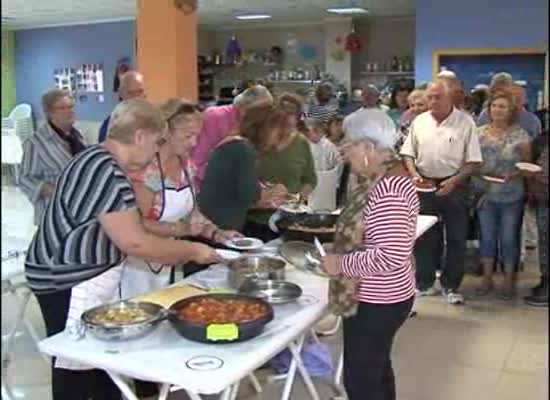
(12, 151)
(20, 119)
(13, 285)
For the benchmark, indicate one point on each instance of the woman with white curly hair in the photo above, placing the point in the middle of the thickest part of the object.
(373, 281)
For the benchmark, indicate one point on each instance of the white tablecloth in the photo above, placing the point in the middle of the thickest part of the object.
(164, 356)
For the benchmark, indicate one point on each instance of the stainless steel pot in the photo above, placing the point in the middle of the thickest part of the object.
(119, 332)
(259, 267)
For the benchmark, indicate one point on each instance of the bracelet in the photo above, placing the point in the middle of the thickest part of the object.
(214, 233)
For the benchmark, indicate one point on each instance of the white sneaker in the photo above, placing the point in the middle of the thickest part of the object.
(431, 291)
(453, 297)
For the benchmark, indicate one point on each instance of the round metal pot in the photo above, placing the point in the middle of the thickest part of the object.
(259, 267)
(119, 332)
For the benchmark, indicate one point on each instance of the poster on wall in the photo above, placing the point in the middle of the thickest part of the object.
(90, 78)
(64, 78)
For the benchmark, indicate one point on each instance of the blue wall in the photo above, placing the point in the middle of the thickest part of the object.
(39, 51)
(476, 23)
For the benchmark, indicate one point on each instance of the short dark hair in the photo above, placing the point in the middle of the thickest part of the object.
(397, 88)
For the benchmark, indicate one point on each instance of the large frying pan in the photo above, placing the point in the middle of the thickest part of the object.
(305, 227)
(199, 332)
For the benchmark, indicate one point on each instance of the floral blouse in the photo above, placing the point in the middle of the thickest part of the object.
(150, 177)
(500, 155)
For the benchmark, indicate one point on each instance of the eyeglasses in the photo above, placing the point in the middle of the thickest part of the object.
(64, 108)
(185, 108)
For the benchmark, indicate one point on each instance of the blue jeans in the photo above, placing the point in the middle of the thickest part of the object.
(500, 227)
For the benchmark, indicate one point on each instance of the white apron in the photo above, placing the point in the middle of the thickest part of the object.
(140, 276)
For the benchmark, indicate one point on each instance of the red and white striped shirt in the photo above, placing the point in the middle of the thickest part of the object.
(384, 266)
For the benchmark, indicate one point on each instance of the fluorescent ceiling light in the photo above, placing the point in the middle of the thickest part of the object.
(253, 16)
(348, 10)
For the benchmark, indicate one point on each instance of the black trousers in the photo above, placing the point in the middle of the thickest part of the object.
(68, 384)
(368, 341)
(428, 249)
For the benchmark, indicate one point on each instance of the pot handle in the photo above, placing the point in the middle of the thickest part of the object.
(165, 314)
(272, 223)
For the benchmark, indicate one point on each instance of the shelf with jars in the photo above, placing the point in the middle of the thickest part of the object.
(395, 66)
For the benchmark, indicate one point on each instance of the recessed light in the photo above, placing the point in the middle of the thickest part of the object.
(347, 10)
(253, 16)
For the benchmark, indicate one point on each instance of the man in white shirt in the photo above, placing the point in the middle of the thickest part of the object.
(370, 121)
(328, 165)
(443, 147)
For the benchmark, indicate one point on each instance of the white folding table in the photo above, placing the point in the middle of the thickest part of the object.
(179, 364)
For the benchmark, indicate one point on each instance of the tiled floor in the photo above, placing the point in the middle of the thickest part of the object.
(486, 350)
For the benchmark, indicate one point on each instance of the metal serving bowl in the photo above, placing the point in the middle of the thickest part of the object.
(272, 291)
(259, 267)
(119, 332)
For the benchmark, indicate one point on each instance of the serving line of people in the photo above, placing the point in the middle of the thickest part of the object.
(383, 169)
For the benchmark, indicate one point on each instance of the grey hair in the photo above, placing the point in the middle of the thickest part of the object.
(501, 77)
(415, 94)
(51, 97)
(447, 84)
(251, 95)
(371, 142)
(371, 89)
(130, 76)
(446, 74)
(132, 115)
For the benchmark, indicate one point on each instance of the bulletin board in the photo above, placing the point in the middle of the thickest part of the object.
(477, 66)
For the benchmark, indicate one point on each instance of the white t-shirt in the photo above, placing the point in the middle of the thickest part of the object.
(325, 155)
(441, 149)
(371, 123)
(328, 168)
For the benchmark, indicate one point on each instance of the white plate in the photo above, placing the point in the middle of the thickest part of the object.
(294, 209)
(525, 166)
(493, 179)
(228, 254)
(426, 190)
(252, 244)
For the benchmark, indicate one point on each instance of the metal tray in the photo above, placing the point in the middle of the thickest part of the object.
(295, 253)
(272, 291)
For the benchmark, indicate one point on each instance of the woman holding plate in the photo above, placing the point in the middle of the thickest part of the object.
(226, 198)
(500, 207)
(290, 163)
(373, 282)
(166, 198)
